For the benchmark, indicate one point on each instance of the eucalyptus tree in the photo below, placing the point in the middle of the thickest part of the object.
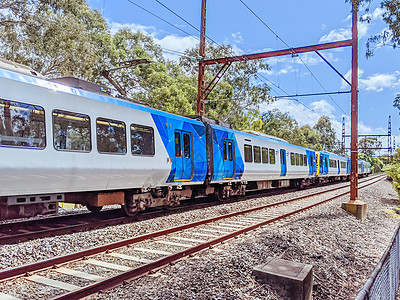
(57, 38)
(238, 96)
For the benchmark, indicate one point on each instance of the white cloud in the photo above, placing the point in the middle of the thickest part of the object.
(176, 43)
(237, 37)
(168, 42)
(377, 14)
(323, 107)
(114, 26)
(378, 82)
(344, 33)
(336, 35)
(288, 64)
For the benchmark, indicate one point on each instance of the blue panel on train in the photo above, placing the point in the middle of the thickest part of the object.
(185, 143)
(226, 169)
(324, 164)
(229, 158)
(283, 162)
(312, 168)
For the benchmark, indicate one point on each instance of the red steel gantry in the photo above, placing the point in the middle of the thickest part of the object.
(204, 91)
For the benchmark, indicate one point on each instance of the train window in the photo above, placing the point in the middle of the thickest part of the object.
(248, 153)
(230, 151)
(111, 136)
(264, 153)
(22, 125)
(142, 140)
(301, 159)
(71, 131)
(257, 154)
(272, 156)
(178, 152)
(297, 159)
(186, 145)
(305, 160)
(292, 161)
(225, 151)
(343, 165)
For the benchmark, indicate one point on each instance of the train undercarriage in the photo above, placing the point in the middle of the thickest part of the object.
(136, 200)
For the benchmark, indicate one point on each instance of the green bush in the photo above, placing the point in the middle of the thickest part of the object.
(393, 171)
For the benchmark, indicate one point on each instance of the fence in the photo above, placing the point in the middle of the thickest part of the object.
(384, 280)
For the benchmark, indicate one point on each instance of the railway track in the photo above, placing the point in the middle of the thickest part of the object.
(87, 272)
(21, 231)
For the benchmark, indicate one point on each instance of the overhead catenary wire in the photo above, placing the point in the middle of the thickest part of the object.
(162, 19)
(231, 50)
(270, 29)
(298, 101)
(259, 74)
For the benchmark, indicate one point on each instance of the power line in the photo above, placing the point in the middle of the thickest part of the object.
(278, 37)
(297, 100)
(184, 20)
(158, 17)
(230, 50)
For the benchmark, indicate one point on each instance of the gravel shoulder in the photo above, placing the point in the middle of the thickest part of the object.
(343, 250)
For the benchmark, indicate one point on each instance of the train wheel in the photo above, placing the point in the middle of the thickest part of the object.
(130, 207)
(94, 209)
(218, 195)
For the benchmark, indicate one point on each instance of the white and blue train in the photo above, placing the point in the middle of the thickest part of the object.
(66, 144)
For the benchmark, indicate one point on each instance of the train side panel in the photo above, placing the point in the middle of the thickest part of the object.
(50, 170)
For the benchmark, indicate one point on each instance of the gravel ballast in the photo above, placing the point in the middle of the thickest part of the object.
(343, 251)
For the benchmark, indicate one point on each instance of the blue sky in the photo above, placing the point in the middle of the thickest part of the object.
(297, 23)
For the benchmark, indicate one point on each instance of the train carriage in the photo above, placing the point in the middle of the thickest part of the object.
(63, 143)
(69, 141)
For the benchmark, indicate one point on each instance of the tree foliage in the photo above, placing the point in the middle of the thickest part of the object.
(237, 97)
(283, 126)
(328, 135)
(56, 38)
(376, 163)
(366, 144)
(67, 38)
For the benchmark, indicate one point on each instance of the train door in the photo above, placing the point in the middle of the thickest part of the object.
(310, 159)
(283, 162)
(183, 155)
(229, 158)
(326, 164)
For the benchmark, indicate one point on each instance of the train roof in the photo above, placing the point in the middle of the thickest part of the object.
(19, 68)
(6, 73)
(259, 135)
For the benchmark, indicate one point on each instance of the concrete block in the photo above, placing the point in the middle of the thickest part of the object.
(291, 279)
(357, 208)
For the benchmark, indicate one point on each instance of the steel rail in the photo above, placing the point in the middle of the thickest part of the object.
(145, 269)
(49, 263)
(9, 231)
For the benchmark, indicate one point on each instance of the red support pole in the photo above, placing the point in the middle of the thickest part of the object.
(276, 53)
(354, 109)
(202, 53)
